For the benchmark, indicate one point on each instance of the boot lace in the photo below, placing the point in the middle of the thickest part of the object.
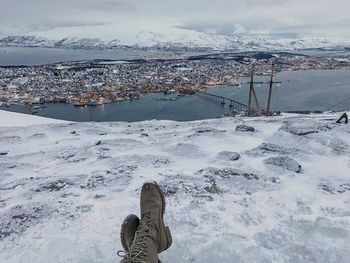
(138, 252)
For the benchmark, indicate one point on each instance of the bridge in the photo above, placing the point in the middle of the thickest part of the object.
(232, 104)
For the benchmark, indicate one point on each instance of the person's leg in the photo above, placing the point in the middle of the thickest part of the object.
(127, 233)
(344, 116)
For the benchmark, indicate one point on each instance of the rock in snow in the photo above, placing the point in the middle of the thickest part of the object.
(229, 156)
(245, 128)
(284, 162)
(63, 196)
(270, 148)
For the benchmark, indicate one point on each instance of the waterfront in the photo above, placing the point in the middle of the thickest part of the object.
(301, 90)
(28, 56)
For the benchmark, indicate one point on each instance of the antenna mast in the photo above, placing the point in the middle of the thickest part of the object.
(268, 113)
(252, 92)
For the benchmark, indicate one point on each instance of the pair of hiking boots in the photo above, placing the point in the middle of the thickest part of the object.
(143, 239)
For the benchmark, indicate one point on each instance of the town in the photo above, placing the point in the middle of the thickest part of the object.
(90, 83)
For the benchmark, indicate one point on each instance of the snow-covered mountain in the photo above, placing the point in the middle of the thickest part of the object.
(165, 37)
(278, 193)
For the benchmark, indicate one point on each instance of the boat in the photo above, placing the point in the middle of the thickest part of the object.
(79, 104)
(92, 103)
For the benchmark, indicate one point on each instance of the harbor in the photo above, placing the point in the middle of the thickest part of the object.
(301, 91)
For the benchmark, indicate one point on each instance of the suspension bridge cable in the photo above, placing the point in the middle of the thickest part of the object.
(337, 104)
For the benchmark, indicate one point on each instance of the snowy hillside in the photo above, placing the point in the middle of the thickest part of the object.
(13, 119)
(161, 36)
(280, 193)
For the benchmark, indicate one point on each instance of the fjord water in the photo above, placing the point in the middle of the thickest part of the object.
(27, 56)
(301, 90)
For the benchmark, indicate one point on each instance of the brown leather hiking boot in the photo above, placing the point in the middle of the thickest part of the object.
(152, 236)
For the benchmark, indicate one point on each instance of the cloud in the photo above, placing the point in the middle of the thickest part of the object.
(239, 29)
(276, 17)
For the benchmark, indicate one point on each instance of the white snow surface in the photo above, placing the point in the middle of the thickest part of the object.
(14, 119)
(65, 188)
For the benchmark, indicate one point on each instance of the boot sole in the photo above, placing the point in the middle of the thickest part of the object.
(166, 229)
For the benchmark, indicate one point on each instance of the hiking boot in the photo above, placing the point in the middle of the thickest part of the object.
(152, 203)
(152, 236)
(128, 230)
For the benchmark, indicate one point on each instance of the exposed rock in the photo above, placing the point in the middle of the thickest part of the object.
(206, 130)
(98, 143)
(19, 218)
(213, 188)
(266, 148)
(245, 128)
(226, 173)
(95, 181)
(335, 189)
(98, 196)
(161, 161)
(54, 186)
(7, 165)
(284, 162)
(229, 156)
(67, 157)
(3, 153)
(197, 187)
(210, 182)
(122, 170)
(118, 176)
(203, 130)
(38, 136)
(302, 128)
(173, 187)
(84, 208)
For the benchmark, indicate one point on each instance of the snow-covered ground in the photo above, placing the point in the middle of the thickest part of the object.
(66, 187)
(14, 119)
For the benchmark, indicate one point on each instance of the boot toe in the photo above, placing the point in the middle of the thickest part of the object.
(152, 197)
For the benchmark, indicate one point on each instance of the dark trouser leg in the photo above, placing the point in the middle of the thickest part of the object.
(344, 116)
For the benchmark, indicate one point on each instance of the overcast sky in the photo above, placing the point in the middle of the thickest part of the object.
(323, 18)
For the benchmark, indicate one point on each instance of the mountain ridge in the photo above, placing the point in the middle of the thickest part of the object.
(162, 37)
